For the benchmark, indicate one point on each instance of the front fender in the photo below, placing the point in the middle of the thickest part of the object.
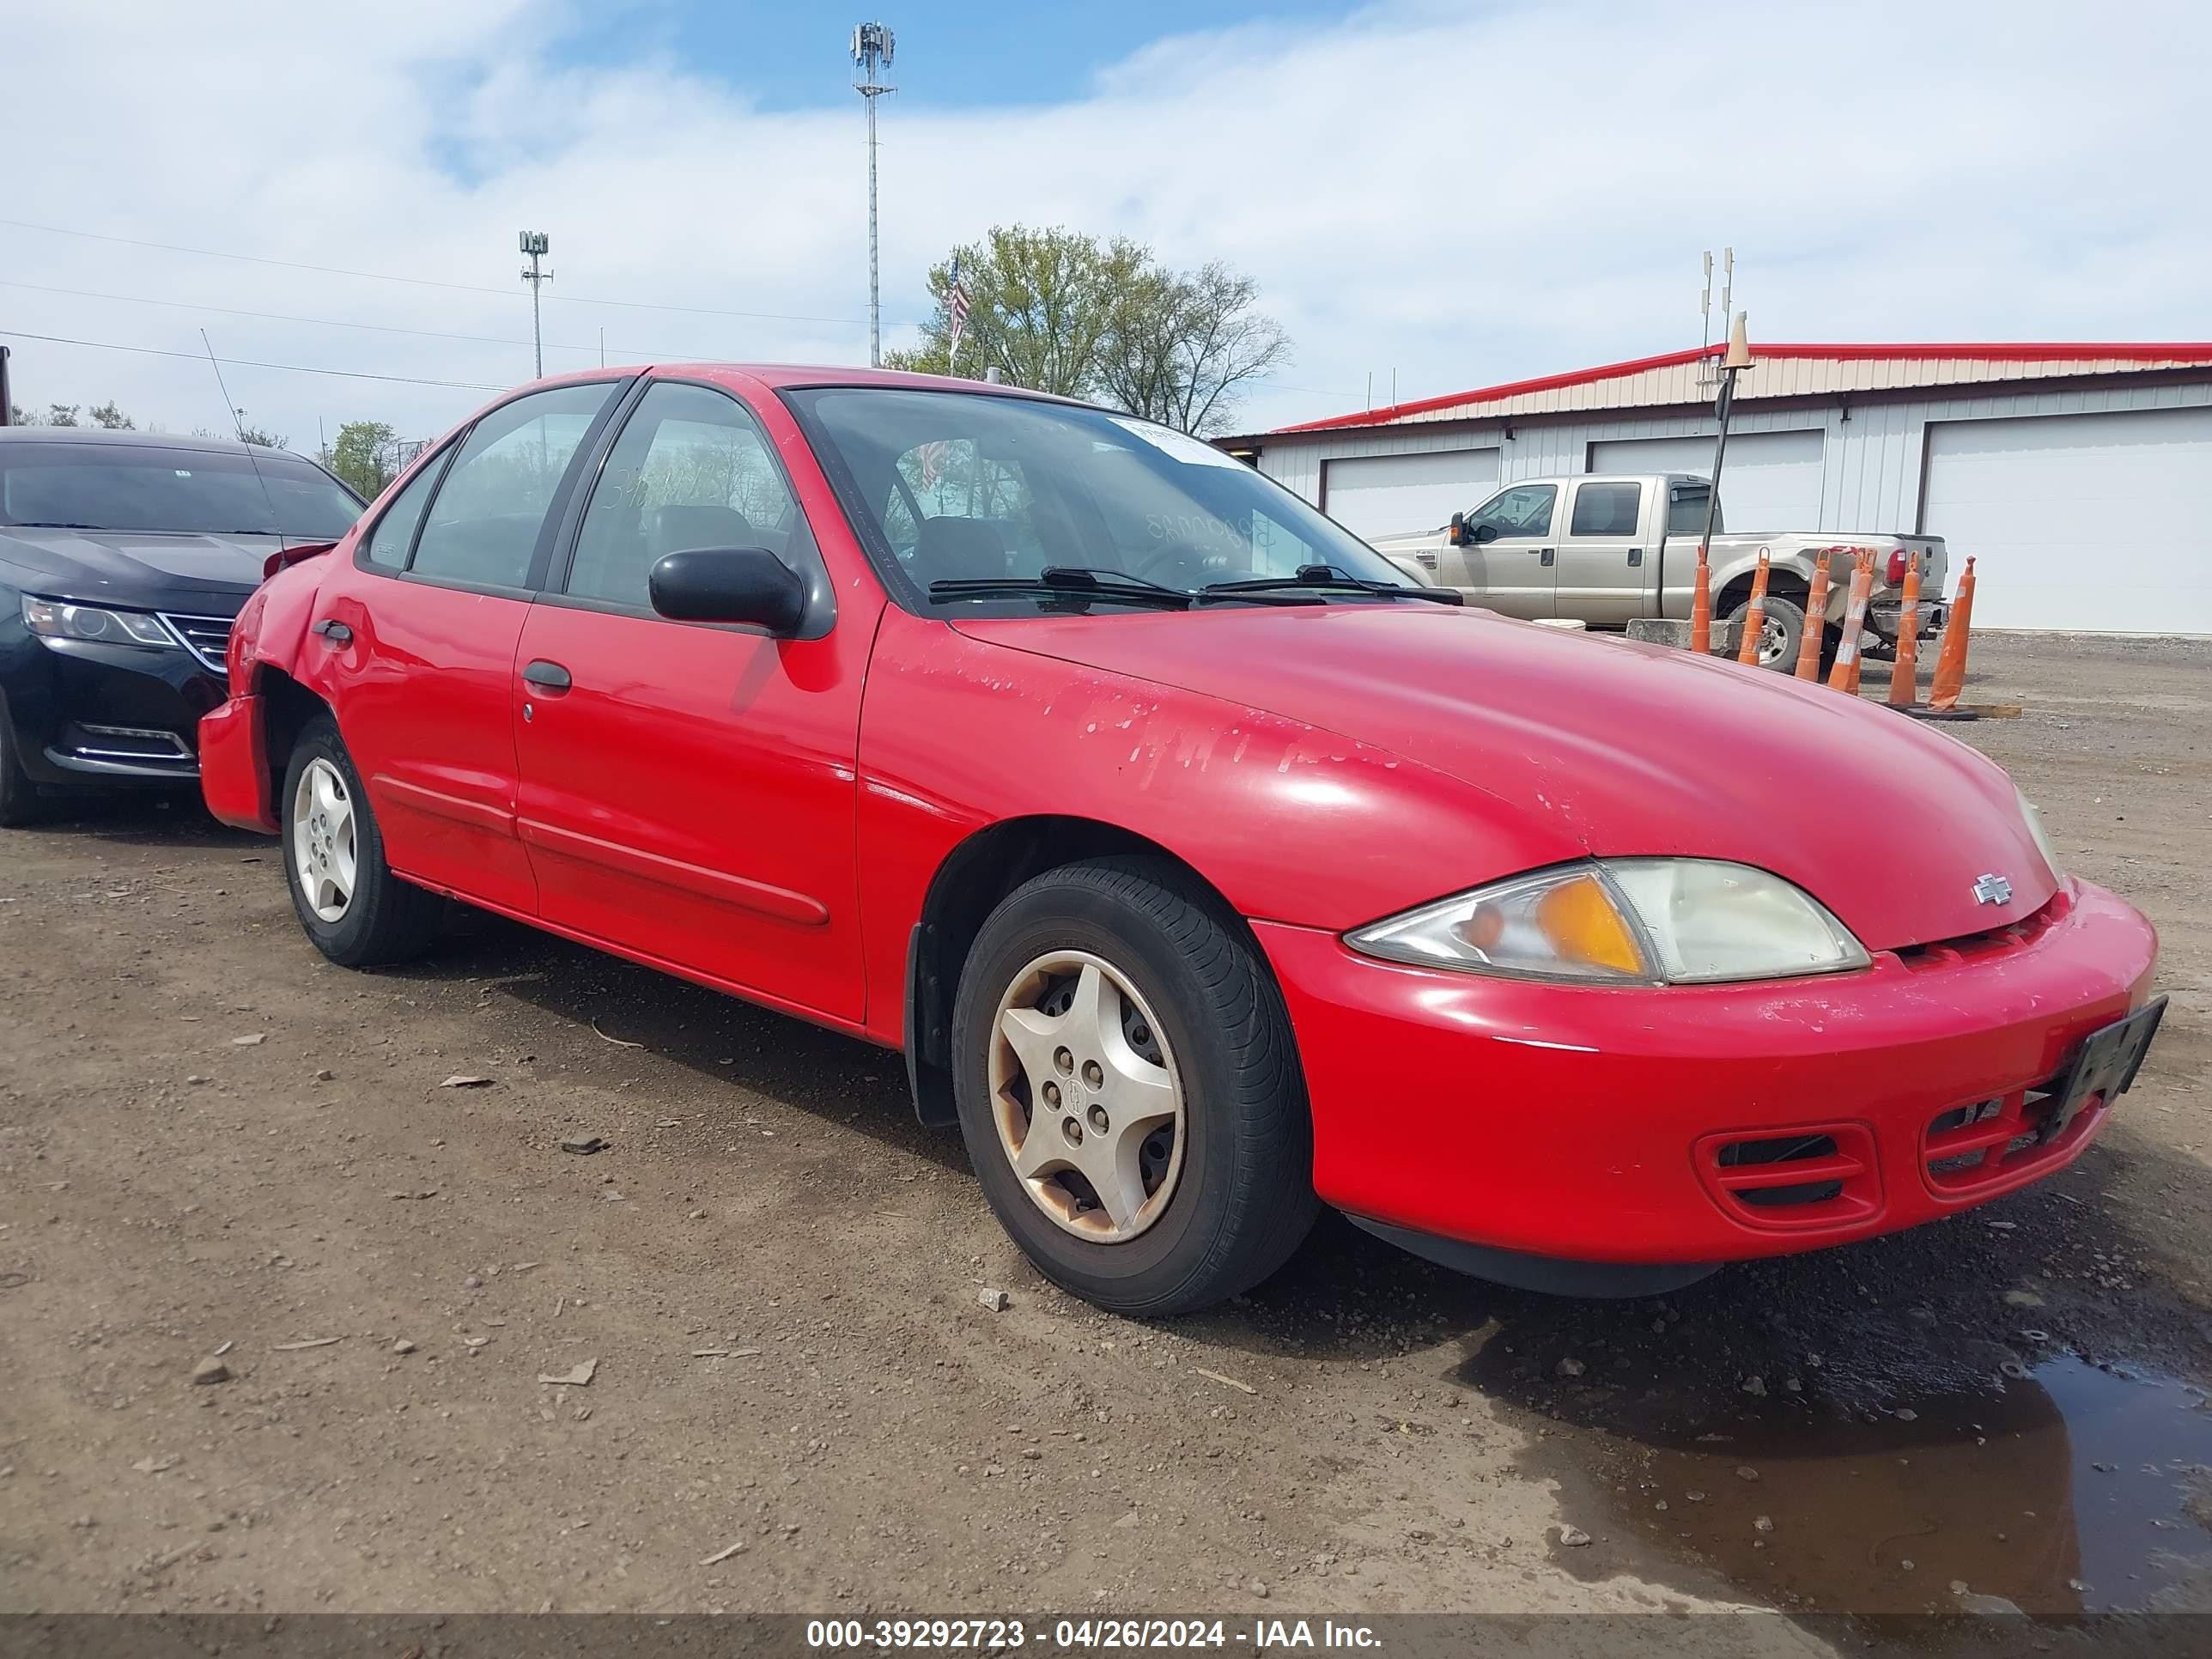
(1288, 821)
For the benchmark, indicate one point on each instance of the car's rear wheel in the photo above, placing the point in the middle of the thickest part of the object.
(1780, 635)
(356, 911)
(1128, 1089)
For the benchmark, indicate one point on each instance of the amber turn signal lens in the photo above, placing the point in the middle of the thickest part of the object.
(1584, 925)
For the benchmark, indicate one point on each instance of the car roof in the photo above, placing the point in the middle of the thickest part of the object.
(133, 440)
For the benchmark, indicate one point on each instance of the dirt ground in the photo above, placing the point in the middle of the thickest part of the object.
(213, 1143)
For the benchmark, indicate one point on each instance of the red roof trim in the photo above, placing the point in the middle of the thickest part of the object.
(2010, 351)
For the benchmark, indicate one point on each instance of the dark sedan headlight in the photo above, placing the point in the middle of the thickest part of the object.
(1625, 922)
(57, 619)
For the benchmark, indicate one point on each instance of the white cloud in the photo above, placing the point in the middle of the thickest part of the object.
(1465, 194)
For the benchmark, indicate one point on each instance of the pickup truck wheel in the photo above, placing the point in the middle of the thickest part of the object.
(1778, 639)
(358, 914)
(1128, 1089)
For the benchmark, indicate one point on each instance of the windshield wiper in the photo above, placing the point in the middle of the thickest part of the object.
(1328, 579)
(1066, 581)
(53, 524)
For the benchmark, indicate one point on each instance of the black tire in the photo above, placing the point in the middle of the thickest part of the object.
(386, 920)
(1243, 1199)
(1788, 616)
(20, 804)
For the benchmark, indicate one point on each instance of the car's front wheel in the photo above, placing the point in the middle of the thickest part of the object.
(358, 913)
(1129, 1091)
(19, 797)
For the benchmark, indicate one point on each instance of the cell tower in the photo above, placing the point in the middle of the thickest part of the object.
(871, 57)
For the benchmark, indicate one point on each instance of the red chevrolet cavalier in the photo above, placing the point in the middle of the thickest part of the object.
(1204, 869)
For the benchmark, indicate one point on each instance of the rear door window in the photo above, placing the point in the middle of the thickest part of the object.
(1605, 509)
(483, 524)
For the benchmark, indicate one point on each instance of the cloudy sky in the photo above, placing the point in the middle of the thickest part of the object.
(1449, 194)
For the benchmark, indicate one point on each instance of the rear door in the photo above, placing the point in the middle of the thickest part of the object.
(690, 794)
(418, 641)
(1509, 561)
(1603, 557)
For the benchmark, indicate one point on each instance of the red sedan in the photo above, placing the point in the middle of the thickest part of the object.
(1204, 869)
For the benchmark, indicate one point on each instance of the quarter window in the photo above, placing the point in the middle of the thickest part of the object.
(1605, 509)
(691, 469)
(395, 531)
(483, 524)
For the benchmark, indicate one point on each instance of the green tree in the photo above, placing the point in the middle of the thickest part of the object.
(1040, 305)
(260, 439)
(113, 419)
(365, 457)
(62, 415)
(1058, 311)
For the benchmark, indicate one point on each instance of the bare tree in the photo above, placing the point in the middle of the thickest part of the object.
(1184, 348)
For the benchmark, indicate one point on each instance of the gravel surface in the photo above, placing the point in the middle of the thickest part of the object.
(741, 1357)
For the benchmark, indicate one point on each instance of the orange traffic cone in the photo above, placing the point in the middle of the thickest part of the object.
(1754, 617)
(1816, 613)
(1905, 673)
(1845, 675)
(1951, 657)
(1701, 606)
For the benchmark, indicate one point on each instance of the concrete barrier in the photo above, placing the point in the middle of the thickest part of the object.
(1661, 630)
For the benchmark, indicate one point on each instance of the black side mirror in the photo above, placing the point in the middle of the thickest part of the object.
(1484, 533)
(729, 585)
(1456, 533)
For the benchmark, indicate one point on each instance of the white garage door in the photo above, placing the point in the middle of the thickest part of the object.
(2085, 521)
(1383, 495)
(1770, 480)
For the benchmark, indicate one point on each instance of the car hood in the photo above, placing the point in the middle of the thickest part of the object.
(1618, 748)
(146, 568)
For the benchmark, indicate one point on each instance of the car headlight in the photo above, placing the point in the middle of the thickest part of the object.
(1625, 922)
(57, 619)
(2042, 836)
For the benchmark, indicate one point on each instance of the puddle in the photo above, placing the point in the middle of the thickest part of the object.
(2065, 1489)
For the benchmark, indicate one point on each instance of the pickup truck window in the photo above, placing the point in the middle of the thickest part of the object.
(1685, 510)
(1605, 509)
(1524, 510)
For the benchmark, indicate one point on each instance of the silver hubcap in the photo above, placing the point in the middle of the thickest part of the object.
(323, 841)
(1086, 1096)
(1773, 637)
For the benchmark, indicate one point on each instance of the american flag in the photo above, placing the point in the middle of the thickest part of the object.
(956, 301)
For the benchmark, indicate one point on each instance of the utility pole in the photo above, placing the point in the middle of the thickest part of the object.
(535, 243)
(1737, 359)
(871, 56)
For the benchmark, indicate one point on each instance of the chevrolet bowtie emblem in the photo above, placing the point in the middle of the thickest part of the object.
(1992, 889)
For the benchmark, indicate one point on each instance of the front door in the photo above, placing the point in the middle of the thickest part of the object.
(1605, 562)
(417, 643)
(1506, 562)
(687, 790)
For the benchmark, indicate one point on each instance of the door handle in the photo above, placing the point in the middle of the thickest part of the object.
(1635, 556)
(548, 676)
(336, 632)
(1543, 555)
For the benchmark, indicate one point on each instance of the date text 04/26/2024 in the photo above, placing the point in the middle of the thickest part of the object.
(1087, 1635)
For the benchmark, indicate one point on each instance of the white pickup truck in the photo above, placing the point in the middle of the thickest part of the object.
(1607, 548)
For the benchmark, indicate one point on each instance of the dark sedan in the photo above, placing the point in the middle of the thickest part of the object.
(123, 558)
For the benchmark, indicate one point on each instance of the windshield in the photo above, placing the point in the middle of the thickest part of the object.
(972, 486)
(213, 492)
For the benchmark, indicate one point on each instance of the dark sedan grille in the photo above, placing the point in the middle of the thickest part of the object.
(206, 637)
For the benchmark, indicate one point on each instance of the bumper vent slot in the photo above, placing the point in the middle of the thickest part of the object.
(1813, 1176)
(1987, 1145)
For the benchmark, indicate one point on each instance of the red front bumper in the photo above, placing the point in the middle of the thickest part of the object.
(234, 775)
(1595, 1125)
